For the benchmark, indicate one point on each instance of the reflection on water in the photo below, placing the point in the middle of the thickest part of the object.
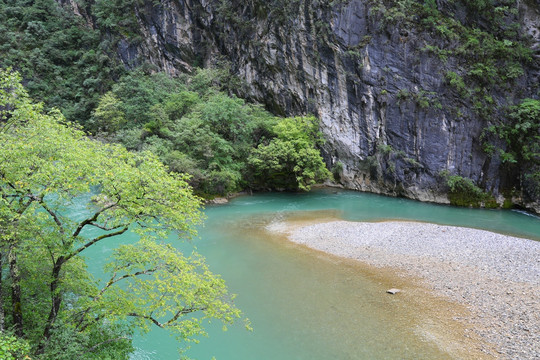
(307, 305)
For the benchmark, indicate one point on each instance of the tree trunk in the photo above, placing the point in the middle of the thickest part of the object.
(56, 301)
(15, 291)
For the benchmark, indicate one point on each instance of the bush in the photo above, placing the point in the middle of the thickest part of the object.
(463, 192)
(291, 160)
(13, 348)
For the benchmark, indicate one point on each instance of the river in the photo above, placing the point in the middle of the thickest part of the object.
(304, 304)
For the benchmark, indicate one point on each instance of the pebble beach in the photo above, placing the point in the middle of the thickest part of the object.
(496, 277)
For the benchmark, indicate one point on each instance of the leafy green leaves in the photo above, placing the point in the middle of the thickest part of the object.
(60, 194)
(108, 116)
(59, 55)
(162, 287)
(13, 348)
(463, 192)
(520, 148)
(291, 160)
(191, 125)
(521, 134)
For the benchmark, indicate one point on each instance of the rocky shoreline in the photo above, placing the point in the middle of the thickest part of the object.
(497, 277)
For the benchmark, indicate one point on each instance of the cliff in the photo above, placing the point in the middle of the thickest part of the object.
(405, 90)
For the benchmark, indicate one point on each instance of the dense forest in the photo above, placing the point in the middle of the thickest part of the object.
(224, 144)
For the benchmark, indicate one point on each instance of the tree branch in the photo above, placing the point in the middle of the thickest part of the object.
(157, 323)
(114, 281)
(53, 215)
(183, 312)
(168, 322)
(102, 227)
(95, 240)
(111, 282)
(105, 342)
(91, 219)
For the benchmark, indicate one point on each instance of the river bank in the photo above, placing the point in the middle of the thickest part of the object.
(495, 277)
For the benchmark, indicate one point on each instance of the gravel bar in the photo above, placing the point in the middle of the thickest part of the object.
(496, 276)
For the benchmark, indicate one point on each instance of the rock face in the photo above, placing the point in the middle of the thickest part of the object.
(391, 120)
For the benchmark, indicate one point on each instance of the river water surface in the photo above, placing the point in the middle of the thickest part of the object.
(303, 304)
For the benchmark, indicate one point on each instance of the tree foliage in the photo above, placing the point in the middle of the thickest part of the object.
(196, 128)
(520, 136)
(290, 160)
(13, 348)
(108, 116)
(62, 193)
(190, 124)
(64, 61)
(464, 192)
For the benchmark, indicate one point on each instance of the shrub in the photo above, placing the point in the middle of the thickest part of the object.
(463, 191)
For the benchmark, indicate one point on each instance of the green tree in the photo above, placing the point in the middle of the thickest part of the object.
(180, 103)
(227, 116)
(520, 134)
(196, 128)
(108, 116)
(47, 171)
(523, 134)
(139, 92)
(291, 160)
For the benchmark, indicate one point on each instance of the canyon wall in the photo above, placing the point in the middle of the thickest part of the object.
(382, 84)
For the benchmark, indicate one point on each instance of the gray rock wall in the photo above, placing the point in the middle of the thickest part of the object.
(387, 112)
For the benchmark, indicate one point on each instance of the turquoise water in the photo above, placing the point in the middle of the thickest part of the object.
(303, 304)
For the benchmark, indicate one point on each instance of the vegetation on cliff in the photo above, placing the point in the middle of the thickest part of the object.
(519, 146)
(484, 56)
(72, 60)
(191, 122)
(65, 63)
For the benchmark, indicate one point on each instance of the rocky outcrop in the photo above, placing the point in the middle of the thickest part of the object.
(392, 121)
